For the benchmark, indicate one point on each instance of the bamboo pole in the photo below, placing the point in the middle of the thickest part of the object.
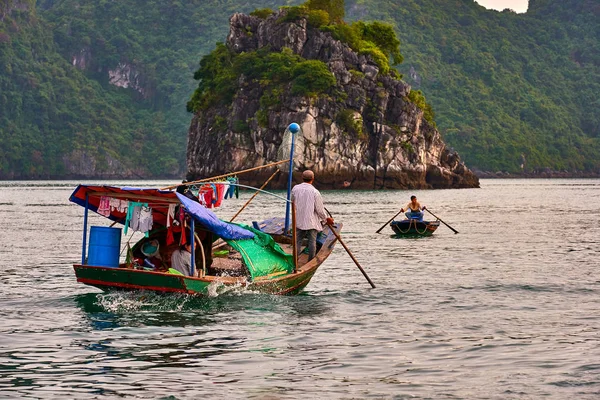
(254, 195)
(225, 175)
(294, 243)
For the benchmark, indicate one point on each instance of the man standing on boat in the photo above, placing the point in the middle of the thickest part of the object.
(413, 208)
(310, 213)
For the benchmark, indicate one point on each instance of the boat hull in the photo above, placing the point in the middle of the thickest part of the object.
(414, 227)
(123, 278)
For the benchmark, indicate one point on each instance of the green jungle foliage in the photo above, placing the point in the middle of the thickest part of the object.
(508, 89)
(351, 124)
(219, 72)
(333, 8)
(512, 92)
(416, 97)
(50, 110)
(285, 72)
(375, 39)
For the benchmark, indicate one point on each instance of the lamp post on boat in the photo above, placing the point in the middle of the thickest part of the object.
(293, 128)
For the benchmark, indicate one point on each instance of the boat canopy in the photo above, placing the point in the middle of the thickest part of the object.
(263, 256)
(159, 201)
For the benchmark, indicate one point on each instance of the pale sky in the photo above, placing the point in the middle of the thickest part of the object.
(519, 6)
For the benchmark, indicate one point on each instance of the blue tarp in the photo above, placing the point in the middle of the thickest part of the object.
(212, 223)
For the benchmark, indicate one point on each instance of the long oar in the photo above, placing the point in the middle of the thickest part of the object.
(391, 219)
(254, 195)
(351, 256)
(454, 230)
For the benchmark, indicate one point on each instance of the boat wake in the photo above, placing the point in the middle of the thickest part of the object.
(123, 302)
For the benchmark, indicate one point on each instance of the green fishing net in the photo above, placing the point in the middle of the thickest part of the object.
(263, 256)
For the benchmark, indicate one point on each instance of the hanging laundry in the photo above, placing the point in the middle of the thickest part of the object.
(225, 189)
(170, 214)
(139, 217)
(130, 208)
(206, 198)
(232, 189)
(215, 194)
(145, 220)
(104, 206)
(118, 205)
(207, 193)
(170, 218)
(220, 193)
(181, 217)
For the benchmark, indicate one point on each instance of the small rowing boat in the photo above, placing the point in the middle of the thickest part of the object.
(414, 226)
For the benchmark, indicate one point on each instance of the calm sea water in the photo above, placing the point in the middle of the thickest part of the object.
(509, 308)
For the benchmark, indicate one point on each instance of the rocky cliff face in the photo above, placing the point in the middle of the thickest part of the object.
(389, 145)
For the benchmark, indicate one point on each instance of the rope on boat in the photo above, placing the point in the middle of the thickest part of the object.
(203, 256)
(225, 175)
(410, 223)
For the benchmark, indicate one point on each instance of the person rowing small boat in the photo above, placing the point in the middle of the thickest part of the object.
(413, 209)
(414, 224)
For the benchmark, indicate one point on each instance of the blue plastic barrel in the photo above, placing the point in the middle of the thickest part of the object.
(105, 243)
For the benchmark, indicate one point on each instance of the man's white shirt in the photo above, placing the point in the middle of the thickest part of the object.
(309, 207)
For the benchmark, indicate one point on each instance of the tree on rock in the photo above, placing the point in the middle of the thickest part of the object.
(335, 8)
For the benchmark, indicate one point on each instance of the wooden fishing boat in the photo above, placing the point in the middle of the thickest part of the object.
(259, 259)
(412, 227)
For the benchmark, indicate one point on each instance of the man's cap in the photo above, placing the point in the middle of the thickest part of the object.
(308, 174)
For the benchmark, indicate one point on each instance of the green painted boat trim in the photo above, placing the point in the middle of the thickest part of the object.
(123, 278)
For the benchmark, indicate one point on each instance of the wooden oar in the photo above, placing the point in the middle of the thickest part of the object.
(391, 219)
(351, 256)
(454, 230)
(254, 195)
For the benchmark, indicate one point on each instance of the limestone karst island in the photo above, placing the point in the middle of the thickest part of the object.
(361, 124)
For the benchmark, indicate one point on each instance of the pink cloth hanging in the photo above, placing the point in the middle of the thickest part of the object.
(104, 206)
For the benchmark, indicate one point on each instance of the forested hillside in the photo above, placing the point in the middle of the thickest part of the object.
(99, 88)
(509, 90)
(55, 121)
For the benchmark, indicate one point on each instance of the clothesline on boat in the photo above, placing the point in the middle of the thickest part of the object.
(157, 202)
(226, 175)
(255, 189)
(211, 194)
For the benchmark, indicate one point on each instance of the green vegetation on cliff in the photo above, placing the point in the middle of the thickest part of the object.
(219, 72)
(508, 89)
(55, 121)
(284, 72)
